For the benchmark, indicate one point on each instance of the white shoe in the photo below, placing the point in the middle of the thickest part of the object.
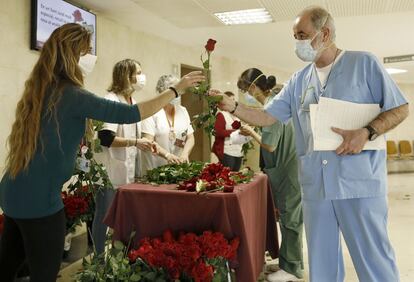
(282, 276)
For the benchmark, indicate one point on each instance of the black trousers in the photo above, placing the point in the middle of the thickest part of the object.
(234, 163)
(39, 241)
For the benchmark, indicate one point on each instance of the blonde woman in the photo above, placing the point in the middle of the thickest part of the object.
(50, 122)
(120, 143)
(170, 128)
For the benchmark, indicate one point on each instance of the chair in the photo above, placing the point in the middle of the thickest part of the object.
(392, 151)
(405, 148)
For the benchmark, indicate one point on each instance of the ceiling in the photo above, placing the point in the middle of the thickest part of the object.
(384, 27)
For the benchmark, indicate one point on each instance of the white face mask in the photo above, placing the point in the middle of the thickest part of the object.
(176, 101)
(87, 63)
(141, 81)
(305, 51)
(249, 99)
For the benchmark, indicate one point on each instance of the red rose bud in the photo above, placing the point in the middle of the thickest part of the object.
(210, 45)
(236, 124)
(228, 188)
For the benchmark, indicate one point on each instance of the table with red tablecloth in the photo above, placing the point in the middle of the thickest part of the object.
(247, 213)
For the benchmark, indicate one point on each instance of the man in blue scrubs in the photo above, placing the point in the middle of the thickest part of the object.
(344, 191)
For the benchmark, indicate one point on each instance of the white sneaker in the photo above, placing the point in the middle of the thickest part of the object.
(282, 276)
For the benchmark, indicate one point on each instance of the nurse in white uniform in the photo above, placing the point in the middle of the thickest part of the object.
(170, 128)
(119, 142)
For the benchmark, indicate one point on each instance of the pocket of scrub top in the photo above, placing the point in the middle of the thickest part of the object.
(306, 172)
(356, 167)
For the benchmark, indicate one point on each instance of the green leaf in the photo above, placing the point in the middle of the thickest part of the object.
(135, 277)
(118, 245)
(214, 99)
(151, 276)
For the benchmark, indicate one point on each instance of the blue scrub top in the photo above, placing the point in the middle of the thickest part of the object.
(356, 77)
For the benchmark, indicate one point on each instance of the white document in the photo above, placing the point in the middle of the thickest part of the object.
(344, 115)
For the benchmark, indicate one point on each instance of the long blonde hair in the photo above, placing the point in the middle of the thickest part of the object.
(57, 65)
(122, 75)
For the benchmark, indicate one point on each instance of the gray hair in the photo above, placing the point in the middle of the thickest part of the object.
(164, 82)
(320, 17)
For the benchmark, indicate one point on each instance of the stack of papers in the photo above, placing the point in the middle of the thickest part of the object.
(344, 115)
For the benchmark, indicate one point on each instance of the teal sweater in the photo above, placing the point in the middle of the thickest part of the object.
(36, 192)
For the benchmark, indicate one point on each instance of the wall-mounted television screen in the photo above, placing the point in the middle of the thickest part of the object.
(47, 15)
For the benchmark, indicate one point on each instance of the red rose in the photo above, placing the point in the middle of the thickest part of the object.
(168, 236)
(210, 45)
(236, 124)
(228, 188)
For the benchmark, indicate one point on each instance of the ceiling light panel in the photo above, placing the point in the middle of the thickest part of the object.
(250, 16)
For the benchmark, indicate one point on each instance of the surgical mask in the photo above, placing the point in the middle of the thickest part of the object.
(250, 100)
(305, 51)
(141, 81)
(176, 101)
(87, 63)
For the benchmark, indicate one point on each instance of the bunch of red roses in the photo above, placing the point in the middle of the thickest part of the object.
(188, 256)
(77, 208)
(216, 177)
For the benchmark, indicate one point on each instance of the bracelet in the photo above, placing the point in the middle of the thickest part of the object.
(128, 143)
(175, 91)
(166, 155)
(235, 107)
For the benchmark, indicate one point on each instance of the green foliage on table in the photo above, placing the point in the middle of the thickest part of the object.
(173, 173)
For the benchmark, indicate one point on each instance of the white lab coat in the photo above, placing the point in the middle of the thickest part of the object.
(120, 161)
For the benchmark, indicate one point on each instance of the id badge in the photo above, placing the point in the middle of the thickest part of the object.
(83, 164)
(179, 143)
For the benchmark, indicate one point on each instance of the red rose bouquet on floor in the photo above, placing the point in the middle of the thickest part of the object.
(188, 257)
(78, 208)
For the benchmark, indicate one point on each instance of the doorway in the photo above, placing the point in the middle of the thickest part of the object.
(195, 105)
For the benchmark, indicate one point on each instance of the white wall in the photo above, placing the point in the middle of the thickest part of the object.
(114, 42)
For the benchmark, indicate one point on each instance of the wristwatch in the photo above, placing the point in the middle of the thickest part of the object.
(372, 133)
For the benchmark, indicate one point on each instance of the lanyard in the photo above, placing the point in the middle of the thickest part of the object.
(171, 135)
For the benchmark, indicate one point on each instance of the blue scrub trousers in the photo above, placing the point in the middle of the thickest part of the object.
(363, 224)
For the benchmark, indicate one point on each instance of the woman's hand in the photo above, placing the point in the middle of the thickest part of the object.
(246, 130)
(146, 145)
(184, 158)
(172, 159)
(189, 80)
(226, 104)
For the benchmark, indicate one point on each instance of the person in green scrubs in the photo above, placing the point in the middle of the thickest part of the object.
(278, 153)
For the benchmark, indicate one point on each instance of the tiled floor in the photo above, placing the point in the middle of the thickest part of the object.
(401, 231)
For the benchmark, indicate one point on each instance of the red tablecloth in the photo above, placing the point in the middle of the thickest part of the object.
(247, 213)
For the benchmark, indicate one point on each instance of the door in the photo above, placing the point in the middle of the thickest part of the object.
(195, 105)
